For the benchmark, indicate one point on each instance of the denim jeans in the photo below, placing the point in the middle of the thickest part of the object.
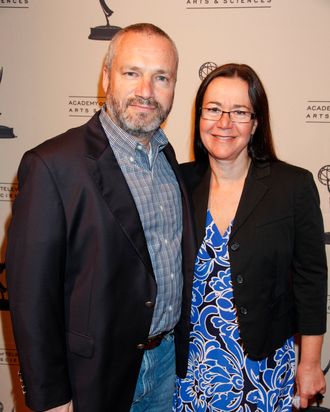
(156, 382)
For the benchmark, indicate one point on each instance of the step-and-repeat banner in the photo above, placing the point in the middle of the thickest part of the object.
(51, 55)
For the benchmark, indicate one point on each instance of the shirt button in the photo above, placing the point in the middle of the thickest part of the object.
(131, 159)
(161, 208)
(170, 308)
(166, 241)
(149, 304)
(240, 279)
(235, 246)
(172, 276)
(243, 310)
(139, 147)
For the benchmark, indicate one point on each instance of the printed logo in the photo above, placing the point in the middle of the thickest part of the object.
(4, 303)
(228, 4)
(5, 132)
(104, 32)
(318, 111)
(8, 357)
(84, 106)
(8, 192)
(205, 69)
(324, 178)
(14, 4)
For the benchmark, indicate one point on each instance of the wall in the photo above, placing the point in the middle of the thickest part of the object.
(50, 72)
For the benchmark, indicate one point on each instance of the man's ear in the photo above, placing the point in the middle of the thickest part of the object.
(105, 79)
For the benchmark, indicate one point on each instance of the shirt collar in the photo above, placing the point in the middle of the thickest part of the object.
(124, 141)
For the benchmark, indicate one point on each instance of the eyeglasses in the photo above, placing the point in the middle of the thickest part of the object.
(236, 116)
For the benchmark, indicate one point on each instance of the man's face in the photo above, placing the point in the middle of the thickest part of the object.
(140, 85)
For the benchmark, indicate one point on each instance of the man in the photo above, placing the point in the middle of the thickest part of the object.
(96, 277)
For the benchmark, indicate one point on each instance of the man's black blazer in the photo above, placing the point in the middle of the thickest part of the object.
(80, 277)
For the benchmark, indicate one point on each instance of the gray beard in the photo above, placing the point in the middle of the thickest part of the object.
(138, 125)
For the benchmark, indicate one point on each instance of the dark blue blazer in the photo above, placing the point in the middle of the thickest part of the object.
(277, 253)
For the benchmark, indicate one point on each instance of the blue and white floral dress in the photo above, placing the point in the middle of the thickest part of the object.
(220, 376)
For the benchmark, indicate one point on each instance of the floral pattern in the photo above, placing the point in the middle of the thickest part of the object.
(220, 376)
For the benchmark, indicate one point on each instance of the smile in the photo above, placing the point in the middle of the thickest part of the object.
(143, 107)
(224, 138)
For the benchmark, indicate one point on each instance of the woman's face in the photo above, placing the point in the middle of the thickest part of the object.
(225, 139)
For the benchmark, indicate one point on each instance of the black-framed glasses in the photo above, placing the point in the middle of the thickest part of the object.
(236, 116)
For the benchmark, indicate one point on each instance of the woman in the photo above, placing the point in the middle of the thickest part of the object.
(260, 273)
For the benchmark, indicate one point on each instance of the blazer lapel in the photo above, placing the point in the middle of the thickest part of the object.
(111, 182)
(253, 191)
(200, 198)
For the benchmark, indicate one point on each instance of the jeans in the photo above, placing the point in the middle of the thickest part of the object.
(156, 382)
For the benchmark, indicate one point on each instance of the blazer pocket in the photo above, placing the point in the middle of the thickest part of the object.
(282, 305)
(269, 220)
(80, 344)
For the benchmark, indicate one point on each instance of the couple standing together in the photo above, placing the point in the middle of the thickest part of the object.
(136, 284)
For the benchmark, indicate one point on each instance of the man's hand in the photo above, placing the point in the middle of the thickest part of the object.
(63, 408)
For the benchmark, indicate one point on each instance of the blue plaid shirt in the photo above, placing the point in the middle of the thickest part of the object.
(157, 196)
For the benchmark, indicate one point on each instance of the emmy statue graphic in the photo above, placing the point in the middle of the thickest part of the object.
(324, 178)
(5, 132)
(104, 32)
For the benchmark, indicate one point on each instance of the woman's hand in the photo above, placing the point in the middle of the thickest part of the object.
(310, 379)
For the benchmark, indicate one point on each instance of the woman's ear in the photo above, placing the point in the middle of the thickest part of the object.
(254, 128)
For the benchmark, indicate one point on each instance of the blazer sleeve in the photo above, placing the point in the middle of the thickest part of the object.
(309, 260)
(35, 263)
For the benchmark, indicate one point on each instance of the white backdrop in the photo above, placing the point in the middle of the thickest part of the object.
(50, 72)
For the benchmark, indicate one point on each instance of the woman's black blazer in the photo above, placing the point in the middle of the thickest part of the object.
(277, 253)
